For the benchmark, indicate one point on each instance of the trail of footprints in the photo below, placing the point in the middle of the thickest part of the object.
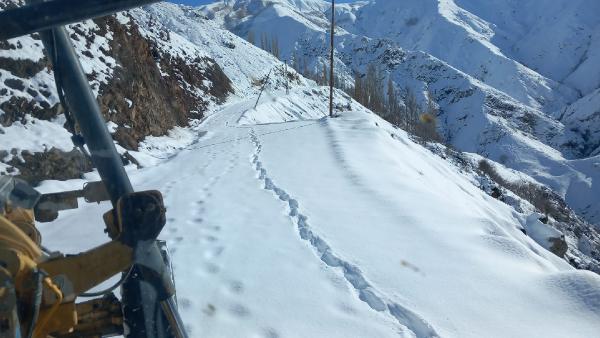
(205, 236)
(353, 275)
(166, 191)
(208, 234)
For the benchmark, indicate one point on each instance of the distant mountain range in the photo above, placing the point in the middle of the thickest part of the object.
(515, 81)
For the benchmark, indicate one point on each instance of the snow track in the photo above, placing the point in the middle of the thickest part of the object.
(353, 275)
(334, 229)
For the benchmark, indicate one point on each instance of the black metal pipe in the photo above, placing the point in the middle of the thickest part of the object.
(39, 16)
(142, 310)
(82, 103)
(170, 310)
(143, 314)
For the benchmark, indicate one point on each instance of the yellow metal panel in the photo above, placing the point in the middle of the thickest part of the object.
(93, 267)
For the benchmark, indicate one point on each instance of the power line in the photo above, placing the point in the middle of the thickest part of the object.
(262, 134)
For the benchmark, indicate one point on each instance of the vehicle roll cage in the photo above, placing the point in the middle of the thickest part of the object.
(145, 314)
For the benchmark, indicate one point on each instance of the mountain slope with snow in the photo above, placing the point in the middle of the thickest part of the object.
(561, 44)
(497, 94)
(147, 80)
(317, 242)
(285, 223)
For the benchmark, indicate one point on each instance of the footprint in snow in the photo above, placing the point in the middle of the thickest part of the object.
(212, 268)
(239, 310)
(236, 287)
(209, 310)
(210, 239)
(270, 333)
(184, 303)
(214, 228)
(212, 253)
(347, 309)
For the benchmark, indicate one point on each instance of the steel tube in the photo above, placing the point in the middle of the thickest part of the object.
(40, 16)
(137, 294)
(82, 103)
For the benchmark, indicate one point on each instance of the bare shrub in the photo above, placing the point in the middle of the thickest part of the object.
(543, 199)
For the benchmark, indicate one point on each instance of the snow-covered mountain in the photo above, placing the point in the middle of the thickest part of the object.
(456, 91)
(283, 223)
(511, 78)
(289, 230)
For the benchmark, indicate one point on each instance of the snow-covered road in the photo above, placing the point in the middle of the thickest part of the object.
(343, 228)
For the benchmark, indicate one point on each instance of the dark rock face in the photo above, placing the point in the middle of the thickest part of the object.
(53, 164)
(143, 98)
(148, 92)
(16, 108)
(23, 68)
(14, 84)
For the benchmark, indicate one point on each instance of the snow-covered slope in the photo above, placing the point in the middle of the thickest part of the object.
(283, 223)
(289, 230)
(462, 98)
(559, 40)
(499, 94)
(241, 62)
(166, 82)
(582, 119)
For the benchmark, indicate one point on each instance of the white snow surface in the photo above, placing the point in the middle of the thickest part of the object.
(283, 223)
(241, 62)
(343, 227)
(502, 72)
(36, 136)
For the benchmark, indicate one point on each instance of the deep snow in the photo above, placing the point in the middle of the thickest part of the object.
(283, 223)
(503, 72)
(342, 227)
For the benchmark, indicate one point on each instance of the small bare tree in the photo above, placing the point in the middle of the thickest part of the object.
(251, 37)
(412, 110)
(427, 126)
(275, 46)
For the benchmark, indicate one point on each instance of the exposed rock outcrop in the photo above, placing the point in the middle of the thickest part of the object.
(53, 164)
(142, 87)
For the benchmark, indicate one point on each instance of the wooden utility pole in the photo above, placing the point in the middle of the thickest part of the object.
(331, 59)
(264, 84)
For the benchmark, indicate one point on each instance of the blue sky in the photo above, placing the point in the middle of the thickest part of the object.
(201, 2)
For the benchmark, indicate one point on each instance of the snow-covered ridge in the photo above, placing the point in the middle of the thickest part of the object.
(132, 88)
(283, 223)
(409, 247)
(498, 93)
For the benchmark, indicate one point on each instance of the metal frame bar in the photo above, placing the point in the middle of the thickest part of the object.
(144, 316)
(39, 16)
(82, 102)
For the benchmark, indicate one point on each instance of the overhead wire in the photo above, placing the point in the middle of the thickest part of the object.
(262, 134)
(77, 139)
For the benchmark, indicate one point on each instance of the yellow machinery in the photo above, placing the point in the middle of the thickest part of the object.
(38, 290)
